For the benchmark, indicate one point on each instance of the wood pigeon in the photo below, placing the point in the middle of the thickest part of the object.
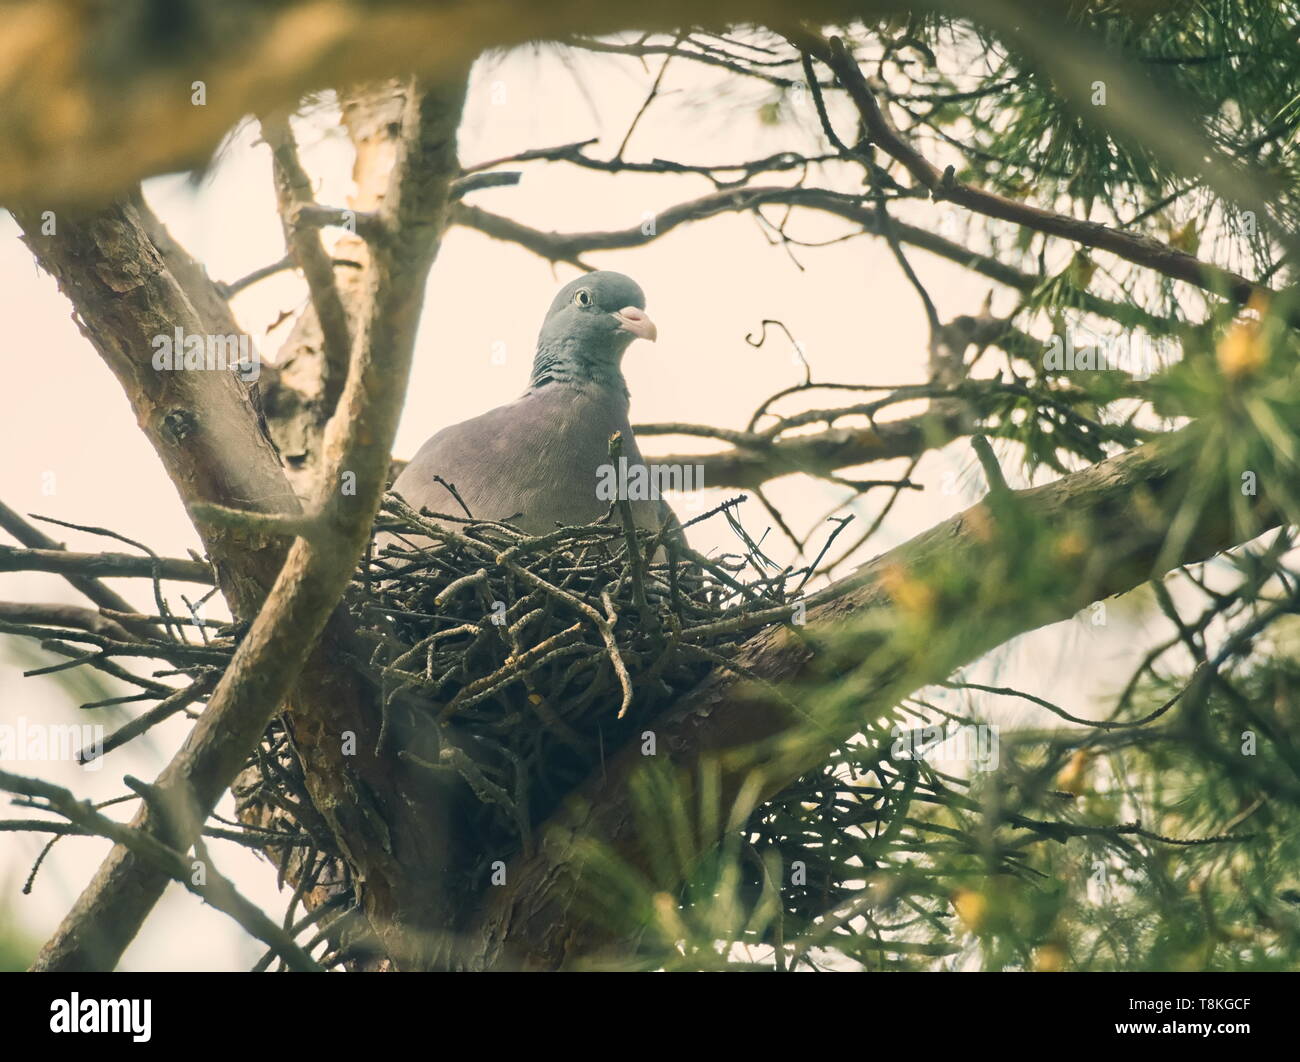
(543, 460)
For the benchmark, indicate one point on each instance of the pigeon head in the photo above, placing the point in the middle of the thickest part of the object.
(590, 324)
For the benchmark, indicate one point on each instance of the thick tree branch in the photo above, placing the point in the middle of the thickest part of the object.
(247, 58)
(199, 443)
(857, 633)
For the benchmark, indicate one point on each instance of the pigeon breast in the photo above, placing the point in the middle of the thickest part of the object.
(535, 461)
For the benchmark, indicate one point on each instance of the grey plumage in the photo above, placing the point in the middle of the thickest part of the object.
(536, 460)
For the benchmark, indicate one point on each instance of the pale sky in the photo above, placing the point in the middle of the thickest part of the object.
(71, 448)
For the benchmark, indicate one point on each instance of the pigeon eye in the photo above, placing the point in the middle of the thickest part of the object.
(582, 297)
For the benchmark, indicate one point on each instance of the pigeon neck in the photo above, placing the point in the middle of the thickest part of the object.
(560, 363)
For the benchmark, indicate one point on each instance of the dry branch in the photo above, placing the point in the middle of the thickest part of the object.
(1138, 249)
(103, 565)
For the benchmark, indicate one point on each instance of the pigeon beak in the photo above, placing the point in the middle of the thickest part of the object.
(630, 319)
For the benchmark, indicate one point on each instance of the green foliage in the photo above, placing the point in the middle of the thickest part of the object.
(1165, 836)
(1145, 847)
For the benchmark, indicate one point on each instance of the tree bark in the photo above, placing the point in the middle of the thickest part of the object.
(209, 437)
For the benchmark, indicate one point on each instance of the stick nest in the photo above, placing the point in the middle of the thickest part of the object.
(524, 660)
